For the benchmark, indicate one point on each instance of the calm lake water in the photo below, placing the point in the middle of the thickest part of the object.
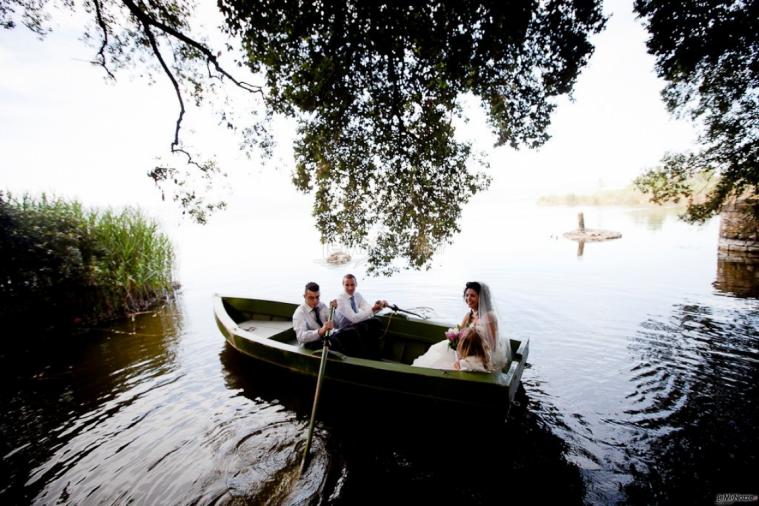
(641, 386)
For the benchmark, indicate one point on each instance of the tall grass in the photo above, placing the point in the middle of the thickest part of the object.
(62, 263)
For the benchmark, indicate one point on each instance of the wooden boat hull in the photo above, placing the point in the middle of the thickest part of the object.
(263, 330)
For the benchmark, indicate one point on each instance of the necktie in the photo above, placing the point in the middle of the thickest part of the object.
(316, 315)
(353, 305)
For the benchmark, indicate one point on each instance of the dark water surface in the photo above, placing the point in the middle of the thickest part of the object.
(641, 386)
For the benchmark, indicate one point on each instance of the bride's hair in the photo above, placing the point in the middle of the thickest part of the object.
(474, 285)
(472, 345)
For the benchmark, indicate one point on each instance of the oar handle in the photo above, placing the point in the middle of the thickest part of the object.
(396, 308)
(319, 378)
(329, 319)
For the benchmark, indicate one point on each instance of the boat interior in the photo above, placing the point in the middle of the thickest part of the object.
(404, 339)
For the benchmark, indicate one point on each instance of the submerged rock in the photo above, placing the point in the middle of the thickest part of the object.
(338, 257)
(591, 234)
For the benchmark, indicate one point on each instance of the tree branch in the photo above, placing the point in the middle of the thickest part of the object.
(154, 45)
(104, 28)
(147, 20)
(167, 70)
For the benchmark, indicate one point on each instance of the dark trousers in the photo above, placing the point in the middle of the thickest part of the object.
(363, 339)
(344, 340)
(370, 337)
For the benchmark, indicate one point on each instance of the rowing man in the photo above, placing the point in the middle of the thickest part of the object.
(312, 325)
(353, 311)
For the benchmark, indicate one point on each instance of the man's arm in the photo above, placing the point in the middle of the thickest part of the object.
(375, 308)
(344, 306)
(302, 331)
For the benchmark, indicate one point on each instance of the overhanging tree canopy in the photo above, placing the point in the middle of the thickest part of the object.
(375, 88)
(708, 52)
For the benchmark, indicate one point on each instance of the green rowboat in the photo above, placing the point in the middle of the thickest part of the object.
(262, 329)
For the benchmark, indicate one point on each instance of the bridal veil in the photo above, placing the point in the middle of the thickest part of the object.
(490, 330)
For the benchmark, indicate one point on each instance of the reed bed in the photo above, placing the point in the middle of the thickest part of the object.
(65, 264)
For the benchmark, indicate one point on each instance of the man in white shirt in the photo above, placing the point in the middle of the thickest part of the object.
(311, 324)
(354, 312)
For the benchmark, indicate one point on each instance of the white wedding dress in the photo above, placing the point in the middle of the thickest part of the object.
(441, 356)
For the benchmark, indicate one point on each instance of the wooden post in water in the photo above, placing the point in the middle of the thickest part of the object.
(581, 222)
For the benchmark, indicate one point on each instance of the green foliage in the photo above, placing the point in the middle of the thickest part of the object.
(375, 88)
(192, 200)
(63, 264)
(708, 52)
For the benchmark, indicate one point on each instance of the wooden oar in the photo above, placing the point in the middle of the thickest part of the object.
(396, 308)
(322, 367)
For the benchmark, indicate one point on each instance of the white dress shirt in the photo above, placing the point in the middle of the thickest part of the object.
(304, 322)
(345, 315)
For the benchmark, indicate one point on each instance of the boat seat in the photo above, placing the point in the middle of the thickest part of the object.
(404, 351)
(265, 328)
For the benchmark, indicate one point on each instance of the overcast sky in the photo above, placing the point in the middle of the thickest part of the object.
(64, 129)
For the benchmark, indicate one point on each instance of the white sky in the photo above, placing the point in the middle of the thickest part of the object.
(65, 129)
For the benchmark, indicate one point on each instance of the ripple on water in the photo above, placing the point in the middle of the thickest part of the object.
(173, 438)
(649, 400)
(162, 420)
(682, 382)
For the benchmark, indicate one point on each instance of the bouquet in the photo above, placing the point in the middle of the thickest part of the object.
(453, 335)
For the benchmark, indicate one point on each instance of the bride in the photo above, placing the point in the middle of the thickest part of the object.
(481, 317)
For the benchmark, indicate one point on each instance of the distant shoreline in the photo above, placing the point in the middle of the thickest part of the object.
(628, 196)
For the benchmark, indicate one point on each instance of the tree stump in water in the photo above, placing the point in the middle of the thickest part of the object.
(590, 234)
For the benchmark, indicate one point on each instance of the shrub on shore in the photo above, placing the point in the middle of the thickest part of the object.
(63, 264)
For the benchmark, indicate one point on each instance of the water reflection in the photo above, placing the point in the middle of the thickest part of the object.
(614, 411)
(376, 450)
(454, 459)
(276, 443)
(653, 217)
(86, 379)
(737, 278)
(690, 419)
